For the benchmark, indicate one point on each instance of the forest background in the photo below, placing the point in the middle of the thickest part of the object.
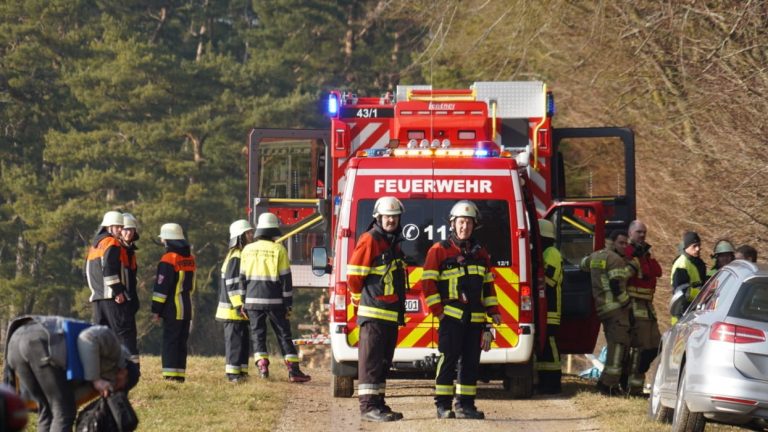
(144, 106)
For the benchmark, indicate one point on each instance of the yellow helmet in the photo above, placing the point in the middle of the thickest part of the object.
(387, 206)
(465, 208)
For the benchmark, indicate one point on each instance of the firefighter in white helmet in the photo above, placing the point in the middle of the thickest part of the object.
(265, 275)
(172, 300)
(723, 254)
(458, 288)
(237, 338)
(106, 265)
(129, 235)
(376, 279)
(548, 364)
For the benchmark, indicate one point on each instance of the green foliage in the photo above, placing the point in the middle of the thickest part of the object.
(145, 107)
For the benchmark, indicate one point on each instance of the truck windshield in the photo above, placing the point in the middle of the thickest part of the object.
(427, 221)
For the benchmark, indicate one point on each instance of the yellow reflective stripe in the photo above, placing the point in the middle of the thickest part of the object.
(371, 312)
(353, 337)
(452, 273)
(443, 390)
(619, 273)
(356, 270)
(430, 274)
(553, 318)
(490, 301)
(488, 277)
(598, 264)
(475, 270)
(177, 296)
(453, 288)
(432, 300)
(466, 390)
(158, 298)
(506, 303)
(454, 312)
(477, 317)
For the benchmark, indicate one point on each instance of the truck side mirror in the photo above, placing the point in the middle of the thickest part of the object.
(320, 264)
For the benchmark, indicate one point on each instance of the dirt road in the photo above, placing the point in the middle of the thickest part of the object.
(312, 408)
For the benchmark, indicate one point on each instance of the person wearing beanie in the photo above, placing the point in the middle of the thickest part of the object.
(687, 276)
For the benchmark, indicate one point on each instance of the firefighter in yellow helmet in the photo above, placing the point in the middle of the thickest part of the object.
(376, 279)
(688, 274)
(610, 272)
(723, 254)
(237, 338)
(458, 288)
(548, 364)
(265, 277)
(172, 300)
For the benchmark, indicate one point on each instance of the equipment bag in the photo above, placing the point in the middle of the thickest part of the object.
(110, 414)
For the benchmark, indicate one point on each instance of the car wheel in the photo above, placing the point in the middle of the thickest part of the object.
(656, 410)
(342, 386)
(683, 419)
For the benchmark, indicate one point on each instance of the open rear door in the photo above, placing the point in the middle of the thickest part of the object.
(288, 175)
(594, 188)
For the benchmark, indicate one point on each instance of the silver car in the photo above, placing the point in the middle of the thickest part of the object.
(713, 364)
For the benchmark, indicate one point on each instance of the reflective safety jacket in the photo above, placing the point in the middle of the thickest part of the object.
(105, 267)
(174, 284)
(610, 273)
(642, 286)
(688, 274)
(266, 275)
(458, 282)
(553, 279)
(131, 277)
(230, 290)
(376, 278)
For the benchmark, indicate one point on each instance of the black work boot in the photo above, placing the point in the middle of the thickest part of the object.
(469, 413)
(295, 374)
(387, 410)
(376, 415)
(445, 413)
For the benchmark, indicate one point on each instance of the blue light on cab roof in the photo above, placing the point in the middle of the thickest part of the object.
(333, 104)
(482, 153)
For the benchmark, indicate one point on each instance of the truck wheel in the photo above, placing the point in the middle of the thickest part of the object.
(518, 381)
(342, 386)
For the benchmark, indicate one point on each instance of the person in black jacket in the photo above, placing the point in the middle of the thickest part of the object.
(172, 300)
(128, 238)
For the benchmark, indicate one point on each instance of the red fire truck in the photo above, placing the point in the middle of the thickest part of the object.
(492, 143)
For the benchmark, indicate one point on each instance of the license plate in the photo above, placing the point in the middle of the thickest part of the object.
(412, 305)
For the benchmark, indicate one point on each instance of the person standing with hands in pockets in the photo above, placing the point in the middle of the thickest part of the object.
(458, 288)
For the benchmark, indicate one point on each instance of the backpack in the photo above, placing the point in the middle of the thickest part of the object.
(110, 414)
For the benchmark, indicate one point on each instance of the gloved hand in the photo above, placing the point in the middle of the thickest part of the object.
(486, 340)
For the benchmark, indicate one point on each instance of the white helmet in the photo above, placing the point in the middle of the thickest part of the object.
(171, 231)
(465, 208)
(239, 227)
(387, 206)
(267, 225)
(546, 228)
(112, 218)
(130, 221)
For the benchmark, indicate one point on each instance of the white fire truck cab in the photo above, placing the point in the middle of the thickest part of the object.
(492, 144)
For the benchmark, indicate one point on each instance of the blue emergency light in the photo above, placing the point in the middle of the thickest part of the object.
(333, 104)
(550, 105)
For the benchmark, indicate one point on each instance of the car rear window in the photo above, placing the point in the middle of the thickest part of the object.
(752, 301)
